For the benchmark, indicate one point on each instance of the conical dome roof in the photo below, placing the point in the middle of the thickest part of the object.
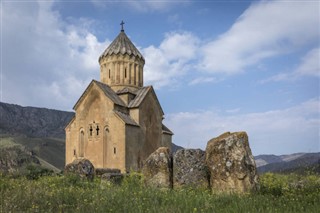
(122, 45)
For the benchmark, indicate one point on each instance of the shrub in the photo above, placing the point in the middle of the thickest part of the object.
(34, 172)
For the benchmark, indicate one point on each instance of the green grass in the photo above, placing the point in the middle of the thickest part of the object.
(6, 142)
(51, 150)
(47, 165)
(279, 193)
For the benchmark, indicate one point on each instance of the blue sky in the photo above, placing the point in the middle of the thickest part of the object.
(216, 66)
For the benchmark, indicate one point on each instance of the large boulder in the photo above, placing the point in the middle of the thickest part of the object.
(231, 164)
(81, 167)
(189, 169)
(157, 169)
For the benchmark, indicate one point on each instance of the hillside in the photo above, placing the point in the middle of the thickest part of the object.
(39, 130)
(298, 163)
(32, 121)
(34, 130)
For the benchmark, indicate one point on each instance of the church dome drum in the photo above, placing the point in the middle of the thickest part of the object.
(121, 64)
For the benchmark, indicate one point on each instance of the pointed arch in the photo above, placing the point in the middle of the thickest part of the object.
(81, 143)
(105, 143)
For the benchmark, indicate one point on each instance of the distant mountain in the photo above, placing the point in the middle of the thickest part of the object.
(33, 121)
(39, 130)
(175, 148)
(39, 133)
(298, 163)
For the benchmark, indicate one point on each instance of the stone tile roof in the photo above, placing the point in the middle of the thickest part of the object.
(141, 94)
(166, 130)
(121, 45)
(110, 93)
(107, 91)
(126, 118)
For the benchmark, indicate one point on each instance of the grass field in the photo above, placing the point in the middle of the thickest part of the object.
(279, 193)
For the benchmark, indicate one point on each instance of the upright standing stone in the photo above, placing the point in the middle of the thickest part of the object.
(157, 169)
(231, 164)
(189, 169)
(81, 167)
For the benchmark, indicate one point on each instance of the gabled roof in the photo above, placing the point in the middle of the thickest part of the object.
(166, 130)
(110, 93)
(141, 95)
(106, 90)
(121, 45)
(126, 118)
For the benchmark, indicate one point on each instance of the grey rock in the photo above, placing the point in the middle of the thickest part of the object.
(189, 169)
(15, 158)
(157, 169)
(231, 164)
(81, 167)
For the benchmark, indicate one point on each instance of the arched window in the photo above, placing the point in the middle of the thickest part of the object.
(81, 144)
(105, 143)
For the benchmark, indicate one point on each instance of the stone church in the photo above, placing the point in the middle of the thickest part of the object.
(118, 120)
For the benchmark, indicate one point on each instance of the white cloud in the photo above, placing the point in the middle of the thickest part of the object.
(145, 6)
(265, 29)
(201, 80)
(45, 58)
(171, 60)
(294, 129)
(309, 66)
(254, 37)
(141, 5)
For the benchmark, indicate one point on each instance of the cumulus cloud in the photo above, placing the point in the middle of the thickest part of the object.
(277, 131)
(171, 60)
(202, 80)
(309, 66)
(265, 29)
(255, 36)
(142, 5)
(46, 61)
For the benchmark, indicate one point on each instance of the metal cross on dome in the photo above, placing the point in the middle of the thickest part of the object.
(122, 23)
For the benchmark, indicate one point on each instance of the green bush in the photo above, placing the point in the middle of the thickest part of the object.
(34, 172)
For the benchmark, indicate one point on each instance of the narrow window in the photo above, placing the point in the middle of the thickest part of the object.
(125, 72)
(81, 145)
(109, 73)
(74, 152)
(90, 130)
(114, 150)
(97, 130)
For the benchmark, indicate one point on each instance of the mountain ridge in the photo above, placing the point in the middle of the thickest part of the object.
(41, 130)
(33, 121)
